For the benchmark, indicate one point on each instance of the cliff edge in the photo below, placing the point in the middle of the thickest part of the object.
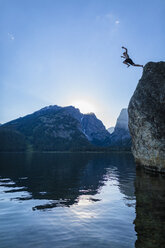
(147, 118)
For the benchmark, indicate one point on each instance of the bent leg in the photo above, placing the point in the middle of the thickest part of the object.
(137, 65)
(124, 62)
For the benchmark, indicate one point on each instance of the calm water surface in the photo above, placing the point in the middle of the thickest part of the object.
(79, 200)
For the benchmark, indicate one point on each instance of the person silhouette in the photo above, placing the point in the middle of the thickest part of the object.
(127, 60)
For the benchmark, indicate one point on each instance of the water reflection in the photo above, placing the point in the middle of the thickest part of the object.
(61, 179)
(150, 210)
(67, 200)
(80, 194)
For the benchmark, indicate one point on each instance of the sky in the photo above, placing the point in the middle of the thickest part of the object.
(67, 52)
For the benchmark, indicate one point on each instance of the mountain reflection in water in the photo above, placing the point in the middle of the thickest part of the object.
(62, 178)
(79, 200)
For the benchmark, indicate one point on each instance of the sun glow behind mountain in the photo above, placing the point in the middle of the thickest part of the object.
(84, 106)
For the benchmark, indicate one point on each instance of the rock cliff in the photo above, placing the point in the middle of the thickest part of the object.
(147, 118)
(121, 136)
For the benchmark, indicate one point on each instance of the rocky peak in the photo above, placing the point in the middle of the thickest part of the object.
(122, 120)
(74, 112)
(60, 128)
(94, 129)
(49, 108)
(121, 136)
(147, 118)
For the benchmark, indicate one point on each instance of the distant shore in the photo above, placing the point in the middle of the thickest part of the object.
(90, 152)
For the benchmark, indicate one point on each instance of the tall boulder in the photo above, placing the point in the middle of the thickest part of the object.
(147, 118)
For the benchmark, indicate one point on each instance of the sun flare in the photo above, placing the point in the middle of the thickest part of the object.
(84, 106)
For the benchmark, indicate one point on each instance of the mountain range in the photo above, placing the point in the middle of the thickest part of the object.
(56, 128)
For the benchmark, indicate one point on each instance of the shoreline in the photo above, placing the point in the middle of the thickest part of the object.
(69, 152)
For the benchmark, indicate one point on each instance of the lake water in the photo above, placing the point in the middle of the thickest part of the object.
(79, 200)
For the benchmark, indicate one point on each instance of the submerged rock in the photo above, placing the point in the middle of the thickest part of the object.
(147, 118)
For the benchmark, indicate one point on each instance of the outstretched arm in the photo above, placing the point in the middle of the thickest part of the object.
(125, 49)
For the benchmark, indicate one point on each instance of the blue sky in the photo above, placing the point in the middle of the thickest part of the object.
(67, 52)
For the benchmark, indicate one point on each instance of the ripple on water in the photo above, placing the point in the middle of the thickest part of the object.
(79, 201)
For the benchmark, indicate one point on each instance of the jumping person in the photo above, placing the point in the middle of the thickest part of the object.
(127, 60)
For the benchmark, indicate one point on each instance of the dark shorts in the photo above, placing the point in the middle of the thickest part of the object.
(129, 61)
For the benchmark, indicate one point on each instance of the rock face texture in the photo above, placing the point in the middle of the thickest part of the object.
(94, 130)
(147, 118)
(54, 128)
